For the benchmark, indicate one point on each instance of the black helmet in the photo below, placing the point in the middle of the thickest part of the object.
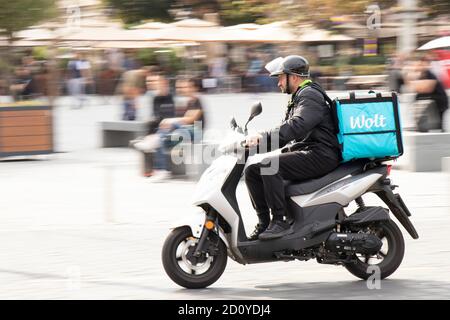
(290, 65)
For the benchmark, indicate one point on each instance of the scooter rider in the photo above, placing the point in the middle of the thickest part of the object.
(310, 146)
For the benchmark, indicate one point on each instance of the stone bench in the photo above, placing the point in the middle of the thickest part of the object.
(424, 151)
(187, 159)
(119, 133)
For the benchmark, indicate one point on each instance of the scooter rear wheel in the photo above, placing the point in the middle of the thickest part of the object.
(178, 265)
(388, 258)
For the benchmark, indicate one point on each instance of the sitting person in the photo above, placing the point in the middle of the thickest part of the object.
(21, 88)
(161, 142)
(163, 105)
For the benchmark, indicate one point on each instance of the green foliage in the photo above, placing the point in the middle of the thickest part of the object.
(147, 57)
(134, 11)
(17, 15)
(5, 67)
(230, 12)
(327, 61)
(326, 70)
(40, 53)
(357, 70)
(317, 12)
(364, 70)
(374, 60)
(167, 59)
(241, 11)
(436, 7)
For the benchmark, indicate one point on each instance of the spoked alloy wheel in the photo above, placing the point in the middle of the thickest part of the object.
(185, 269)
(388, 259)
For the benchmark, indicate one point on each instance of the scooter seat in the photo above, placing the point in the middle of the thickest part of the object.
(296, 188)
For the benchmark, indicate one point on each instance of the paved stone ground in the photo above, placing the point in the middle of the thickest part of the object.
(85, 225)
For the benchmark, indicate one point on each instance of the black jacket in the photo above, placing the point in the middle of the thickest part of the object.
(308, 124)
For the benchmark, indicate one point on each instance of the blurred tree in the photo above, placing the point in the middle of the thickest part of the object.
(134, 11)
(197, 8)
(167, 59)
(316, 12)
(230, 12)
(40, 53)
(319, 12)
(250, 11)
(437, 7)
(19, 14)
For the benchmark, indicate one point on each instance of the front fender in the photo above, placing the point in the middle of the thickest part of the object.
(195, 221)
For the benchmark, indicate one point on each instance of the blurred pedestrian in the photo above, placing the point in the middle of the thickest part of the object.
(132, 85)
(255, 68)
(129, 62)
(21, 87)
(79, 70)
(218, 70)
(395, 67)
(161, 142)
(40, 80)
(431, 98)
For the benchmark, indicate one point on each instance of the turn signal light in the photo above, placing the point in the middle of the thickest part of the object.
(209, 225)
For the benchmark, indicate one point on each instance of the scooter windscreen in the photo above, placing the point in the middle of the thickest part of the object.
(275, 67)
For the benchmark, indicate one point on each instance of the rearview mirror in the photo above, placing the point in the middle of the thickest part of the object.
(233, 123)
(255, 110)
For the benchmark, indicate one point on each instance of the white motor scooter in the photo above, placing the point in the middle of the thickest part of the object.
(195, 253)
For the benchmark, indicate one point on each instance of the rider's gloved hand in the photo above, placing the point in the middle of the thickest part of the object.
(253, 140)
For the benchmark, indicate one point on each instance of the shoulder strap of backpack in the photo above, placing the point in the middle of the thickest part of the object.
(319, 88)
(330, 103)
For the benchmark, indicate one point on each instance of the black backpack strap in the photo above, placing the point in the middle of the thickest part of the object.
(319, 88)
(330, 103)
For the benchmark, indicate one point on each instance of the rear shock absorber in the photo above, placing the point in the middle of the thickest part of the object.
(361, 205)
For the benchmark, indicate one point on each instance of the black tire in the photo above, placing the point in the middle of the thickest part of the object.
(392, 259)
(190, 280)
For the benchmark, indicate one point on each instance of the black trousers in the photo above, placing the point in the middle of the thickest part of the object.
(265, 179)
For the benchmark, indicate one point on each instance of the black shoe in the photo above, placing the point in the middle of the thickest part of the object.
(276, 229)
(259, 228)
(290, 221)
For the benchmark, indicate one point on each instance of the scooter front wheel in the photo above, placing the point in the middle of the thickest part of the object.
(186, 270)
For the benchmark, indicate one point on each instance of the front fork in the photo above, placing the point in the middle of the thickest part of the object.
(209, 239)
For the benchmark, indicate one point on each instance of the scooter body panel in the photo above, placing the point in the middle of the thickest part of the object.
(312, 226)
(343, 191)
(209, 191)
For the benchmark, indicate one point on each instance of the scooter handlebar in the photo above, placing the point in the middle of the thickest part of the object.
(234, 147)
